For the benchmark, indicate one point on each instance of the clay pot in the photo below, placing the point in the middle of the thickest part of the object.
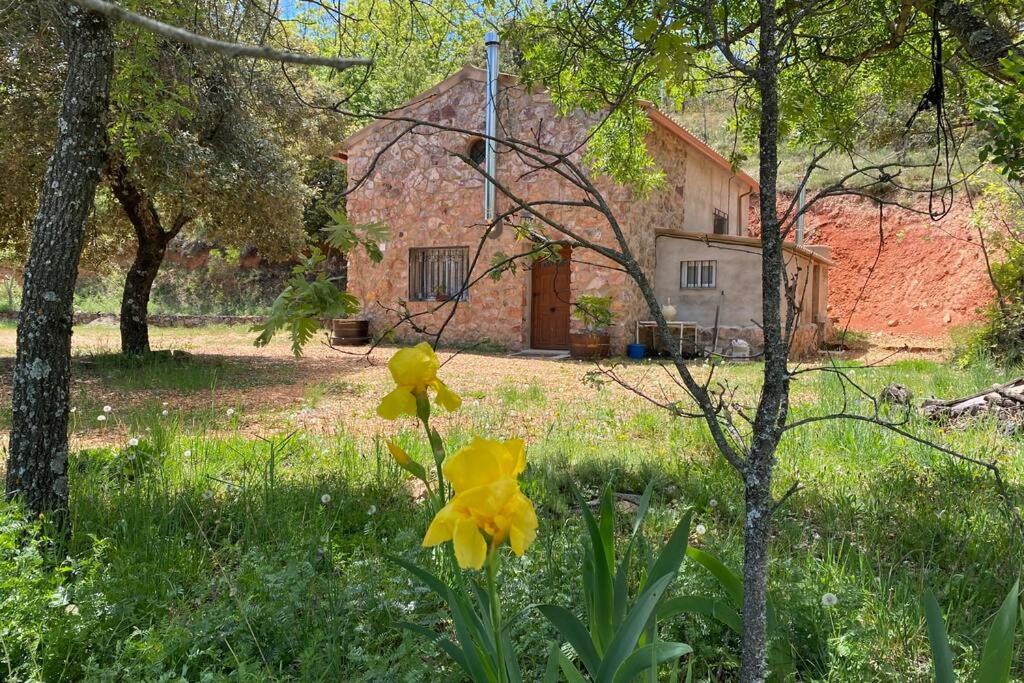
(350, 332)
(590, 345)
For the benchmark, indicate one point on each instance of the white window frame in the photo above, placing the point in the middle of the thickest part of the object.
(698, 274)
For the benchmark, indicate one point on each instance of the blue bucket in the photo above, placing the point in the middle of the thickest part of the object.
(636, 351)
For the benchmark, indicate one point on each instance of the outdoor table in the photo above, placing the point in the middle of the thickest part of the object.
(682, 325)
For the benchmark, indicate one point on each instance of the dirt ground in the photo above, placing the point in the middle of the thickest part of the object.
(268, 390)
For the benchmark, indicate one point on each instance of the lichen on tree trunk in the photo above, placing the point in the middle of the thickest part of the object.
(772, 408)
(37, 464)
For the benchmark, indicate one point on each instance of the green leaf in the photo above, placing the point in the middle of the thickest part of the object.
(672, 554)
(551, 670)
(649, 657)
(629, 633)
(571, 674)
(432, 582)
(575, 633)
(942, 657)
(730, 581)
(641, 509)
(601, 600)
(709, 607)
(468, 637)
(997, 656)
(445, 644)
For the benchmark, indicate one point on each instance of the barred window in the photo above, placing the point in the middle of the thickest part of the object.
(721, 222)
(438, 273)
(697, 274)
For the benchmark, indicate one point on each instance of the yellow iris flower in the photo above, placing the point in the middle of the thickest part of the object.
(415, 371)
(487, 501)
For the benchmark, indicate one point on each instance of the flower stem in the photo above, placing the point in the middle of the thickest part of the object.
(495, 604)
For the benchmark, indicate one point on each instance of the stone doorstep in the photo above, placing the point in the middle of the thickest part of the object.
(549, 354)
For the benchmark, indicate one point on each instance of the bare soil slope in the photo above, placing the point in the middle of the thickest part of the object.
(923, 277)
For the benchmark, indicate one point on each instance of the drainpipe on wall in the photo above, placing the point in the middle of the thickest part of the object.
(800, 216)
(490, 122)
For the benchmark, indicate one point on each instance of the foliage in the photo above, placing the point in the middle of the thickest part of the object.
(595, 312)
(620, 639)
(780, 652)
(345, 236)
(997, 656)
(308, 297)
(412, 46)
(1001, 115)
(999, 216)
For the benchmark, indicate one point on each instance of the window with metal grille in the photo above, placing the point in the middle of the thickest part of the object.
(721, 219)
(438, 273)
(697, 274)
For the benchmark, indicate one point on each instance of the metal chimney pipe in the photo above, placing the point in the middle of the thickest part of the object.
(490, 123)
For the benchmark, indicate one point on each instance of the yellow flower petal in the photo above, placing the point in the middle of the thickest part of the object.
(442, 527)
(414, 367)
(477, 464)
(515, 461)
(447, 398)
(523, 528)
(400, 456)
(491, 499)
(399, 402)
(470, 546)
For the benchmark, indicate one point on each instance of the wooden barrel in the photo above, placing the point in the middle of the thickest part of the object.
(589, 346)
(350, 332)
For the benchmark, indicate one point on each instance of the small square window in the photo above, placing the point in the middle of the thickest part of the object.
(721, 222)
(698, 274)
(438, 273)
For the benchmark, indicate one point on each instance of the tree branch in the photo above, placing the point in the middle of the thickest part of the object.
(233, 50)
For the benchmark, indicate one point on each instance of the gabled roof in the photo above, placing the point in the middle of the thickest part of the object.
(469, 72)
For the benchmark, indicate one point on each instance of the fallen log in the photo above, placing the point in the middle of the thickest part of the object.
(1005, 402)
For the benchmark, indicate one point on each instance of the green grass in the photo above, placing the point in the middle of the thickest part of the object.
(211, 557)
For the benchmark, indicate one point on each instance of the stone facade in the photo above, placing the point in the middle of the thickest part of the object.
(428, 197)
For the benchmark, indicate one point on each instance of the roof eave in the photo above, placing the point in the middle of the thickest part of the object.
(709, 238)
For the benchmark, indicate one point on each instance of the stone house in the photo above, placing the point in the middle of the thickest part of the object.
(690, 235)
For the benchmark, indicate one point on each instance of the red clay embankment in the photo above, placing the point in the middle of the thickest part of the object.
(930, 276)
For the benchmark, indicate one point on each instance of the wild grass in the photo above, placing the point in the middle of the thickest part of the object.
(206, 554)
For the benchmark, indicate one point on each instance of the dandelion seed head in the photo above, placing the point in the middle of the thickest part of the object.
(829, 600)
(325, 499)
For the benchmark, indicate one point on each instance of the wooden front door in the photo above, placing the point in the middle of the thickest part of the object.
(549, 317)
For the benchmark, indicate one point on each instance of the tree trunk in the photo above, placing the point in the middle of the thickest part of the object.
(37, 465)
(772, 407)
(149, 255)
(757, 529)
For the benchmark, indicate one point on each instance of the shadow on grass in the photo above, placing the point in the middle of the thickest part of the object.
(180, 371)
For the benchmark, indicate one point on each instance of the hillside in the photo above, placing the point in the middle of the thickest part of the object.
(927, 278)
